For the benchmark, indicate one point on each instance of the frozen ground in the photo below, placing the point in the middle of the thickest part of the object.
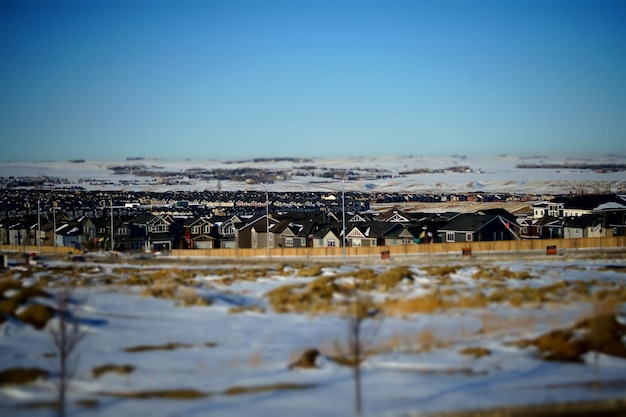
(234, 349)
(488, 174)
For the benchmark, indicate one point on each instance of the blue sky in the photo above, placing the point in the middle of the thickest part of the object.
(239, 79)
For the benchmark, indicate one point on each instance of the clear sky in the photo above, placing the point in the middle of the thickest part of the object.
(238, 79)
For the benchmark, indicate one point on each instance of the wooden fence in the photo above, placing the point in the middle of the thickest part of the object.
(425, 249)
(429, 248)
(50, 250)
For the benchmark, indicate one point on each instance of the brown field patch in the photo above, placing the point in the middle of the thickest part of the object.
(19, 376)
(475, 351)
(255, 389)
(170, 394)
(148, 348)
(98, 371)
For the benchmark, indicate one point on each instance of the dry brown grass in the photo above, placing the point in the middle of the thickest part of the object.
(499, 274)
(316, 297)
(88, 403)
(475, 351)
(19, 376)
(312, 271)
(255, 389)
(246, 309)
(403, 307)
(148, 348)
(36, 315)
(170, 394)
(599, 331)
(441, 271)
(98, 371)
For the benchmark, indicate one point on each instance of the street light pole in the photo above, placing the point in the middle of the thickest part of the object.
(112, 238)
(267, 221)
(54, 226)
(38, 227)
(343, 210)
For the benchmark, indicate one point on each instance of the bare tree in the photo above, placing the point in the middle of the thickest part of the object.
(359, 344)
(66, 336)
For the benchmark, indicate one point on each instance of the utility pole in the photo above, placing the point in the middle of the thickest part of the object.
(267, 221)
(112, 239)
(54, 226)
(343, 210)
(38, 227)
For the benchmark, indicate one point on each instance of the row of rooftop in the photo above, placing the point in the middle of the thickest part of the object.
(97, 221)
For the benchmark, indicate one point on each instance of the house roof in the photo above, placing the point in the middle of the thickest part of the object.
(582, 222)
(393, 215)
(471, 222)
(588, 201)
(330, 228)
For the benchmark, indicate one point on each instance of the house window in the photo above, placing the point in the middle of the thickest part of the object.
(356, 242)
(157, 228)
(195, 230)
(468, 237)
(525, 229)
(331, 243)
(206, 229)
(289, 242)
(449, 236)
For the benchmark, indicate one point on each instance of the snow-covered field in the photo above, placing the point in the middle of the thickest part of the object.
(488, 174)
(440, 336)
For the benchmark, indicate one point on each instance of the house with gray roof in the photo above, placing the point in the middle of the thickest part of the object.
(480, 226)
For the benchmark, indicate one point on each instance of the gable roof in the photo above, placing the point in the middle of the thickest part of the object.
(582, 222)
(393, 215)
(329, 228)
(472, 222)
(588, 201)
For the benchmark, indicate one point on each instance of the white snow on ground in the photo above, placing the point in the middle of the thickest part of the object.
(488, 174)
(253, 348)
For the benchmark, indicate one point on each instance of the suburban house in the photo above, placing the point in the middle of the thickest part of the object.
(328, 236)
(547, 208)
(613, 218)
(484, 225)
(574, 205)
(155, 231)
(401, 234)
(16, 231)
(546, 227)
(289, 234)
(257, 233)
(224, 228)
(361, 234)
(586, 225)
(197, 233)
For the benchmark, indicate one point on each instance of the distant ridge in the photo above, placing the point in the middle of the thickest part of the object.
(265, 160)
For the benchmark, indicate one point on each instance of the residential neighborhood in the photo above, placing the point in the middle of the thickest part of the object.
(156, 222)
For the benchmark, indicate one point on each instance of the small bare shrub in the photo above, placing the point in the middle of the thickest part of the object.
(98, 371)
(477, 352)
(66, 336)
